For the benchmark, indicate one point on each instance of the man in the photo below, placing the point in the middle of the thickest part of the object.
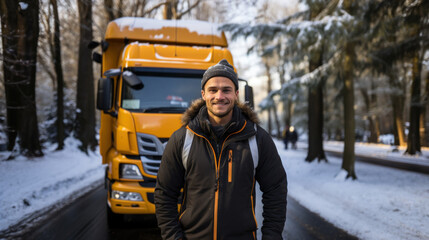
(286, 136)
(293, 137)
(216, 170)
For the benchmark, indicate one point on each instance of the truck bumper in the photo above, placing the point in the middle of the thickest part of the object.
(146, 206)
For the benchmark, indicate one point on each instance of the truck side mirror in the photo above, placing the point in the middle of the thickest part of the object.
(93, 44)
(248, 93)
(248, 96)
(131, 79)
(96, 57)
(105, 94)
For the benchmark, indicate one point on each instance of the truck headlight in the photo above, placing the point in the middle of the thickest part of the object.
(130, 196)
(130, 171)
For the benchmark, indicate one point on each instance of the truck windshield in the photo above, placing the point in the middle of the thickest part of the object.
(162, 93)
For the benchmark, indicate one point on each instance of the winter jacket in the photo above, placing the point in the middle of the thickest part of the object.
(219, 181)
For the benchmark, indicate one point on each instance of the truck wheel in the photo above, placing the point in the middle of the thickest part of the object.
(114, 220)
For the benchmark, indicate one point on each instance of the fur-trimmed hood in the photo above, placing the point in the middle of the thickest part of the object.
(196, 105)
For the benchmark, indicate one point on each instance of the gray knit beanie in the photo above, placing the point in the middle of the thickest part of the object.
(224, 69)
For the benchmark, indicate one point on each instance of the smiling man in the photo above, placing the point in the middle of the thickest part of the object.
(216, 157)
(220, 97)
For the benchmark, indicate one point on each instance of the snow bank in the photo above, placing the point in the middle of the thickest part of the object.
(29, 185)
(384, 203)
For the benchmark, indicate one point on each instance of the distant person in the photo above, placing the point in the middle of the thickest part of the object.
(293, 137)
(285, 136)
(290, 135)
(216, 157)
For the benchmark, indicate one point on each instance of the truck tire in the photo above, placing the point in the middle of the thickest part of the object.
(114, 220)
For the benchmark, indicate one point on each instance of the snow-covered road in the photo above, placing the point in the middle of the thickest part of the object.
(383, 203)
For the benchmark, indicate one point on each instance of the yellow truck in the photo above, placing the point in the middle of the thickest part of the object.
(151, 72)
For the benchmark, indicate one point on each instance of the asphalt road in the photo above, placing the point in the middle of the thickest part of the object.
(85, 218)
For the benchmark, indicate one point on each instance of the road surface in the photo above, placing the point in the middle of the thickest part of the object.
(85, 218)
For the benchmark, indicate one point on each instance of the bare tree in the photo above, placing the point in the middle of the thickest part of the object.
(85, 103)
(20, 33)
(56, 55)
(108, 7)
(273, 108)
(172, 11)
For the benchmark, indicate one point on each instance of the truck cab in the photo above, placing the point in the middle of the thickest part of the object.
(151, 73)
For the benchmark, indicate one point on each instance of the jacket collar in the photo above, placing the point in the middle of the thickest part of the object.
(198, 105)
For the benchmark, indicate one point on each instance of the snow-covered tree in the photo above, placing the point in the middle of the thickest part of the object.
(398, 41)
(312, 42)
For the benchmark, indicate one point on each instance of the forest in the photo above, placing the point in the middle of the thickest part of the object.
(343, 70)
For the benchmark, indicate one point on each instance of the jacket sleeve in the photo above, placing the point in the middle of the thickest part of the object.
(271, 177)
(169, 182)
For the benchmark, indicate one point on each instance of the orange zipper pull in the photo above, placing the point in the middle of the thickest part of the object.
(230, 166)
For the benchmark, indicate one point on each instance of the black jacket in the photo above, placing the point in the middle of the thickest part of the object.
(218, 202)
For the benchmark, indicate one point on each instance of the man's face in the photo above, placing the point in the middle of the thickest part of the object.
(220, 96)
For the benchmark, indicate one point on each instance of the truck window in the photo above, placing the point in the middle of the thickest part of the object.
(162, 93)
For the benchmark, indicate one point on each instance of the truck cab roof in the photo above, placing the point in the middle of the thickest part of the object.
(175, 32)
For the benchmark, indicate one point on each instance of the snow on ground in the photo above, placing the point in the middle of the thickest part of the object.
(30, 185)
(383, 151)
(383, 203)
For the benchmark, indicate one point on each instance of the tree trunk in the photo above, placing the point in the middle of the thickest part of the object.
(315, 107)
(108, 7)
(398, 126)
(59, 75)
(120, 10)
(315, 123)
(413, 146)
(289, 106)
(425, 113)
(422, 128)
(349, 101)
(170, 9)
(85, 112)
(374, 128)
(398, 101)
(338, 134)
(269, 89)
(349, 113)
(315, 115)
(276, 120)
(286, 102)
(424, 119)
(20, 33)
(270, 126)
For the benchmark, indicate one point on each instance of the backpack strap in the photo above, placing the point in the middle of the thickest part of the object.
(189, 137)
(254, 149)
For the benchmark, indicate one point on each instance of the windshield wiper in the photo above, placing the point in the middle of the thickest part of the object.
(164, 110)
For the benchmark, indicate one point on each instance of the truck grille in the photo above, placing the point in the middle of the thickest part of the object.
(151, 149)
(151, 166)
